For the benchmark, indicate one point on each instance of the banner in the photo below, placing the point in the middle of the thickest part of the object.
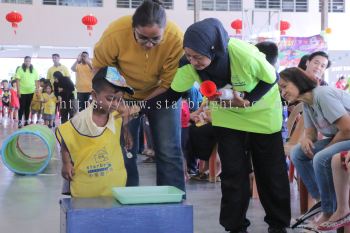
(291, 49)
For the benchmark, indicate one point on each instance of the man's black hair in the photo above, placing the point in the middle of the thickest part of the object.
(270, 50)
(322, 54)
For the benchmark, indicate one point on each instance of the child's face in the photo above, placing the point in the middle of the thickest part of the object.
(48, 90)
(41, 84)
(14, 84)
(108, 99)
(5, 85)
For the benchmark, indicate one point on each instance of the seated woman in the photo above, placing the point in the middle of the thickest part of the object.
(326, 110)
(341, 179)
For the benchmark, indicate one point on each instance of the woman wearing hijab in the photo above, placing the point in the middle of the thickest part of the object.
(64, 88)
(212, 55)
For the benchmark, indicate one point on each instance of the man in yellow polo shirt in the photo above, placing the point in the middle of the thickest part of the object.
(57, 66)
(83, 70)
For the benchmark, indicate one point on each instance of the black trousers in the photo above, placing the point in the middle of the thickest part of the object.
(83, 100)
(271, 177)
(24, 106)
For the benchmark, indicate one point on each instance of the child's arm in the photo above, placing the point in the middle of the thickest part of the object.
(44, 99)
(67, 164)
(128, 141)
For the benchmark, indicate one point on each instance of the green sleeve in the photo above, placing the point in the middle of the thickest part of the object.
(36, 75)
(184, 78)
(19, 73)
(262, 69)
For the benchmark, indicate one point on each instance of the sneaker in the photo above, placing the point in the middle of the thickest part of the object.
(26, 123)
(277, 230)
(201, 177)
(20, 125)
(240, 231)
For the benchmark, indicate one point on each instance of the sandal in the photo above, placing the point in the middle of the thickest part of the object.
(201, 177)
(148, 152)
(334, 225)
(149, 160)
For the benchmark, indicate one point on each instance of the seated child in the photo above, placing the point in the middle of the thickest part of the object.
(90, 142)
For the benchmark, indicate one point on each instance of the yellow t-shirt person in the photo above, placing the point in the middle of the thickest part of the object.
(53, 69)
(84, 77)
(49, 103)
(36, 101)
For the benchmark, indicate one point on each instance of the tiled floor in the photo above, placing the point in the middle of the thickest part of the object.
(29, 204)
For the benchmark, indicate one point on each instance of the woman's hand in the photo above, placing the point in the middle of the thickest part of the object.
(236, 101)
(67, 171)
(307, 147)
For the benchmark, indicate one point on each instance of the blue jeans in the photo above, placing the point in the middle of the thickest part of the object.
(316, 173)
(166, 134)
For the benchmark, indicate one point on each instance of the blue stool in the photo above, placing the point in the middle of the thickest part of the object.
(106, 215)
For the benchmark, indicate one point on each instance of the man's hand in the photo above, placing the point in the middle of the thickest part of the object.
(79, 58)
(307, 147)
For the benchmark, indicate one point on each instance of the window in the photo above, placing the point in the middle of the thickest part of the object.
(17, 1)
(168, 4)
(86, 3)
(334, 5)
(217, 5)
(284, 5)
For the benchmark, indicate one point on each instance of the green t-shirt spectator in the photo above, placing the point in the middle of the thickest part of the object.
(27, 80)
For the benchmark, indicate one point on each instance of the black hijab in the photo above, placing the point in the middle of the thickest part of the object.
(209, 38)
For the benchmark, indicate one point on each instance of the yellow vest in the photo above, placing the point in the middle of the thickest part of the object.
(98, 161)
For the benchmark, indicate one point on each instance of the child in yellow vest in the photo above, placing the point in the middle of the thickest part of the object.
(49, 101)
(90, 142)
(36, 105)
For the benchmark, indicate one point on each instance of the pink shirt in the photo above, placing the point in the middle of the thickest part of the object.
(185, 114)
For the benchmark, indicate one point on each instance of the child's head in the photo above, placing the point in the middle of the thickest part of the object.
(42, 82)
(14, 83)
(48, 88)
(5, 84)
(108, 89)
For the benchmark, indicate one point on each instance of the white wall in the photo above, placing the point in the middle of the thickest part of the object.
(61, 25)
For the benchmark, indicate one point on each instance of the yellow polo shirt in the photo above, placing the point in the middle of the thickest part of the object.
(143, 70)
(53, 69)
(84, 77)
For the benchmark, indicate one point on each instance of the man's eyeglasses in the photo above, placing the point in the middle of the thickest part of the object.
(144, 40)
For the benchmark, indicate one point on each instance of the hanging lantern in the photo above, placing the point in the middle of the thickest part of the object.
(89, 21)
(237, 25)
(14, 18)
(284, 25)
(328, 30)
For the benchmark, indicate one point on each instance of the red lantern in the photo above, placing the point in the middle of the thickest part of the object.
(237, 25)
(14, 18)
(284, 25)
(89, 21)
